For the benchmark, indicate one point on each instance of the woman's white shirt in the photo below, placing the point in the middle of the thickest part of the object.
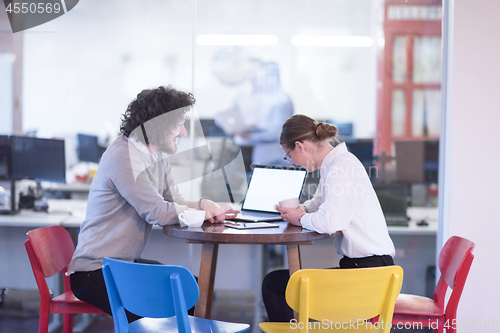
(345, 201)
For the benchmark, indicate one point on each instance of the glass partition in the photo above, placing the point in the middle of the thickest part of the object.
(373, 68)
(323, 54)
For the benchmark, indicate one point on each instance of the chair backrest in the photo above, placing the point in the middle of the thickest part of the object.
(156, 291)
(345, 295)
(50, 250)
(455, 260)
(451, 256)
(53, 248)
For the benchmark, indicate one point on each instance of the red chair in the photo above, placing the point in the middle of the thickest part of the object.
(50, 250)
(454, 263)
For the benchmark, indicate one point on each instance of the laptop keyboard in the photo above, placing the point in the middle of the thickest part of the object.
(259, 216)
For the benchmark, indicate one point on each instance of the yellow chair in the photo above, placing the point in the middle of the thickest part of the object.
(341, 299)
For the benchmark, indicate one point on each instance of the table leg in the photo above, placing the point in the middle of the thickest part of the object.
(206, 279)
(293, 253)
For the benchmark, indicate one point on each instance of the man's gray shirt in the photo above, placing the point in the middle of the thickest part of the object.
(131, 190)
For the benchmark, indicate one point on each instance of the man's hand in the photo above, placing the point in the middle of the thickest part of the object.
(291, 215)
(229, 211)
(215, 213)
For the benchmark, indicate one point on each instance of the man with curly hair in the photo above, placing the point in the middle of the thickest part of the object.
(133, 189)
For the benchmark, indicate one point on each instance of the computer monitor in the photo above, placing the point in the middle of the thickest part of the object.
(431, 161)
(362, 149)
(4, 157)
(345, 130)
(37, 159)
(88, 148)
(210, 128)
(393, 200)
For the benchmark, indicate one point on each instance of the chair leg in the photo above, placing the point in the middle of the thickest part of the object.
(43, 321)
(68, 323)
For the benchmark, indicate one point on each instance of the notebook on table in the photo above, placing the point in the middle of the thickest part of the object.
(250, 225)
(268, 186)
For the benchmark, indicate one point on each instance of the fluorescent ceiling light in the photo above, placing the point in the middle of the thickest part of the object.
(261, 40)
(337, 41)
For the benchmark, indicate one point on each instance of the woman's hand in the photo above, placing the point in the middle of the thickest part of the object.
(215, 213)
(291, 215)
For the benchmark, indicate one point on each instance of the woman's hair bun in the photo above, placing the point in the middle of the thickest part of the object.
(326, 131)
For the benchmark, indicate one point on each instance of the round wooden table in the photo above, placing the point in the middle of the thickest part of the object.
(211, 235)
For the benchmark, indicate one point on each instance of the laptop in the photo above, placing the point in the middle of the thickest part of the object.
(269, 185)
(230, 121)
(394, 202)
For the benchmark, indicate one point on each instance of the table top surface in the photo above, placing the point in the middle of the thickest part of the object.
(219, 233)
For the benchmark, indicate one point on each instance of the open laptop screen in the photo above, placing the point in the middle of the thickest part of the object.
(269, 185)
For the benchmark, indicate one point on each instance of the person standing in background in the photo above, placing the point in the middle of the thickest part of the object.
(264, 110)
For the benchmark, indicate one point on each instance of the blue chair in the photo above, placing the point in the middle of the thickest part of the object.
(162, 294)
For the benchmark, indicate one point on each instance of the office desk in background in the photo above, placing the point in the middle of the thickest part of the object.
(16, 270)
(78, 191)
(416, 250)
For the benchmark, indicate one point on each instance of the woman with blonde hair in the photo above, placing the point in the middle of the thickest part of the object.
(345, 204)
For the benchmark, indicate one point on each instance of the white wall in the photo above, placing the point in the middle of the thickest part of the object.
(81, 70)
(474, 156)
